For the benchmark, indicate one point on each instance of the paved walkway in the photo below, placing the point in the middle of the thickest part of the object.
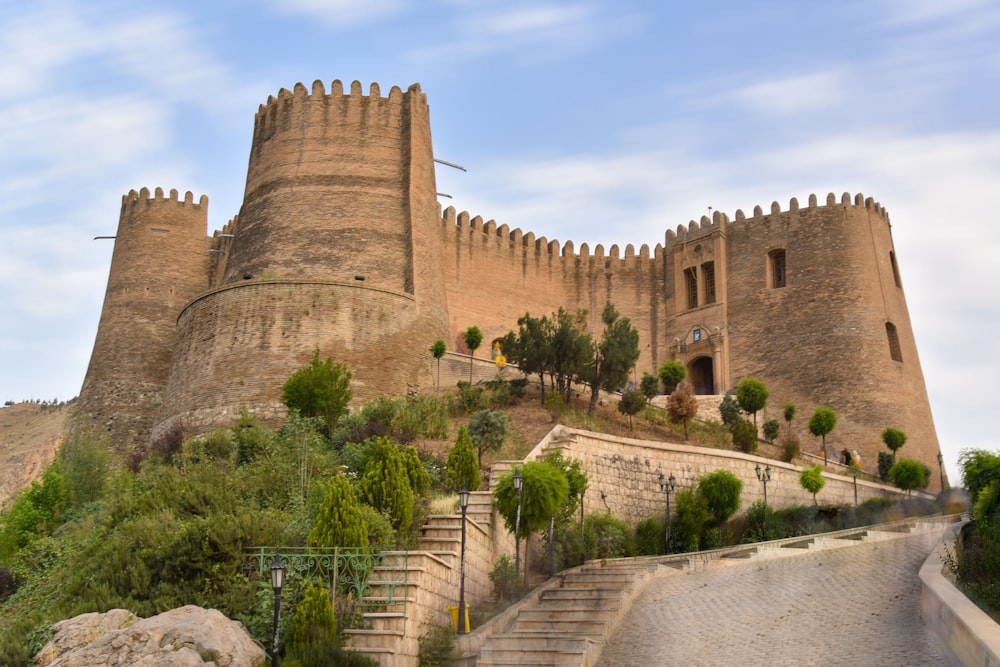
(856, 605)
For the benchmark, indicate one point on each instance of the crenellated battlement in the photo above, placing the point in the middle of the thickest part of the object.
(465, 226)
(133, 199)
(299, 104)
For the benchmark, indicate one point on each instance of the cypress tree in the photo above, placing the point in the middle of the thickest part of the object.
(313, 619)
(340, 522)
(462, 469)
(420, 481)
(386, 485)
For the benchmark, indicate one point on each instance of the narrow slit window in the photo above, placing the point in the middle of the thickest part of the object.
(691, 282)
(777, 268)
(708, 275)
(894, 350)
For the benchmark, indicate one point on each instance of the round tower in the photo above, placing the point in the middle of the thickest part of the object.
(337, 247)
(160, 262)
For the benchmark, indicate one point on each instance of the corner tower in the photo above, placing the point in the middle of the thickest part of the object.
(159, 263)
(337, 247)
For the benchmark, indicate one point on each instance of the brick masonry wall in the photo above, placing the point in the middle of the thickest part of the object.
(159, 264)
(238, 345)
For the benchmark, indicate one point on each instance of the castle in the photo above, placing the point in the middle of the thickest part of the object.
(340, 245)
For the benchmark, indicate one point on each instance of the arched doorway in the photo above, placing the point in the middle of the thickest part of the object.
(701, 376)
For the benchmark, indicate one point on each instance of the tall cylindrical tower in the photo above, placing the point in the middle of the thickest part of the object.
(160, 262)
(337, 247)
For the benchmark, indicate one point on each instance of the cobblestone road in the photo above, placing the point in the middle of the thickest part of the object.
(857, 605)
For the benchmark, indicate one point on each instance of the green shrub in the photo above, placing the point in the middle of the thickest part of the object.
(745, 436)
(650, 535)
(313, 619)
(507, 584)
(729, 411)
(471, 398)
(322, 389)
(790, 448)
(763, 524)
(385, 484)
(607, 537)
(554, 404)
(518, 387)
(462, 467)
(689, 522)
(340, 522)
(436, 646)
(885, 461)
(671, 373)
(771, 429)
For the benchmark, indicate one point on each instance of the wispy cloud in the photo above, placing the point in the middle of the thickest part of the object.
(340, 13)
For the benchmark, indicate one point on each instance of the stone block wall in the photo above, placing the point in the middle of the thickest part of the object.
(624, 474)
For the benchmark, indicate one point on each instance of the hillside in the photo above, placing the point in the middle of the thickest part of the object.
(30, 434)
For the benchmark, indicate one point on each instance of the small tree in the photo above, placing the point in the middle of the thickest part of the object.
(385, 484)
(544, 492)
(649, 385)
(812, 481)
(322, 389)
(473, 338)
(682, 406)
(908, 474)
(671, 373)
(752, 395)
(721, 490)
(462, 469)
(488, 429)
(894, 439)
(631, 403)
(771, 430)
(615, 355)
(823, 421)
(339, 522)
(729, 411)
(437, 351)
(313, 620)
(788, 412)
(745, 436)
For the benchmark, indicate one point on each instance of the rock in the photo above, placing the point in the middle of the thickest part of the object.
(177, 638)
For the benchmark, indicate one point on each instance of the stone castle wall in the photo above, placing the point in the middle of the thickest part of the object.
(340, 246)
(624, 475)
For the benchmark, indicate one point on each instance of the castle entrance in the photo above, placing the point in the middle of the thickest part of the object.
(701, 375)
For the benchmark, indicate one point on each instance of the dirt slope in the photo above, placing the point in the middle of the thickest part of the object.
(30, 434)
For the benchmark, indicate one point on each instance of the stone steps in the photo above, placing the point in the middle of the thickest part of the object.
(568, 624)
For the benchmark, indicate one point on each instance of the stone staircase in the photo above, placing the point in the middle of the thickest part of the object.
(570, 620)
(404, 586)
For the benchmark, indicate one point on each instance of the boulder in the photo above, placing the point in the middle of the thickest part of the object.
(177, 638)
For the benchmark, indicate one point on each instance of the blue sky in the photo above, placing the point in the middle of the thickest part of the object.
(603, 121)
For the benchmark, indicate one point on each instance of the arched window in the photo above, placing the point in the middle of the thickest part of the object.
(894, 350)
(776, 265)
(895, 269)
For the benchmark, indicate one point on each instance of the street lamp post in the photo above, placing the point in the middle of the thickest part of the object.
(764, 476)
(277, 581)
(667, 485)
(518, 485)
(463, 500)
